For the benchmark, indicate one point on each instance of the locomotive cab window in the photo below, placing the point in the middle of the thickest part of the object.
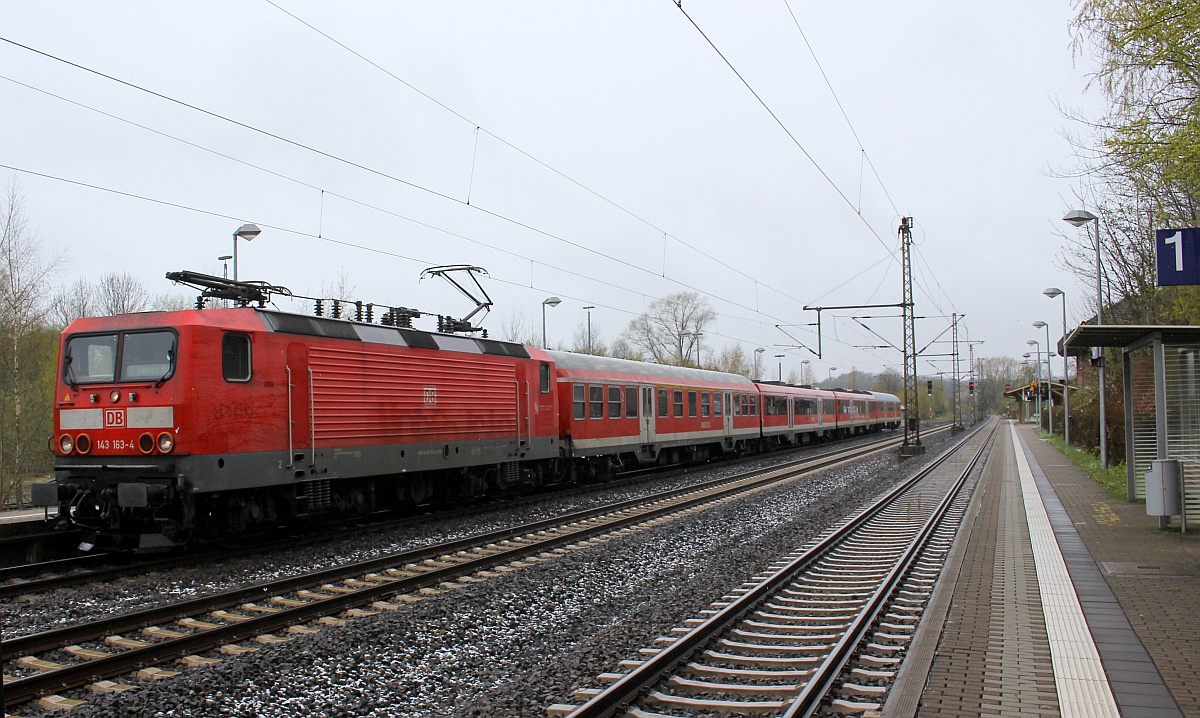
(126, 356)
(235, 357)
(147, 356)
(544, 378)
(91, 359)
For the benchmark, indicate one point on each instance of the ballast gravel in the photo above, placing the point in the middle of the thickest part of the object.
(514, 644)
(35, 613)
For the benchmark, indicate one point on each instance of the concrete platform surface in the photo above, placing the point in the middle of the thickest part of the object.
(1057, 599)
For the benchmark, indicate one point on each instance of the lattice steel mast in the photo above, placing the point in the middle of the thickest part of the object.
(956, 401)
(912, 421)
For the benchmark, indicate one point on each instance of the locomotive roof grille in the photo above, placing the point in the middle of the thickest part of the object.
(285, 323)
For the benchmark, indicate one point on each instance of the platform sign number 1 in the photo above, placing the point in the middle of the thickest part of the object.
(1178, 256)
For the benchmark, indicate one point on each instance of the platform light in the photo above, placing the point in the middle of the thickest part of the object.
(247, 232)
(547, 302)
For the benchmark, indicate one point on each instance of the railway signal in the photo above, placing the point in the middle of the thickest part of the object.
(929, 387)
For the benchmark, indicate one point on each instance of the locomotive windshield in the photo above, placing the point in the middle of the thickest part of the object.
(142, 356)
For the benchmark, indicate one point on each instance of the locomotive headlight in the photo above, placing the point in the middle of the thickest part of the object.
(66, 443)
(83, 443)
(166, 442)
(114, 396)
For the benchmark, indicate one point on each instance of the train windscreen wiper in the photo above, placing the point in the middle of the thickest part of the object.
(69, 368)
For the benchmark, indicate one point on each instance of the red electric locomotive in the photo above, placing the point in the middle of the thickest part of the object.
(224, 419)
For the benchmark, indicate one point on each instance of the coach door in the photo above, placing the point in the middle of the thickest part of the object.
(727, 420)
(300, 415)
(647, 418)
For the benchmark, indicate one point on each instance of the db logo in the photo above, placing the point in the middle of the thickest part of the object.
(431, 395)
(114, 418)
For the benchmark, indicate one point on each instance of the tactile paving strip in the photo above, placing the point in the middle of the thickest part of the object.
(1083, 688)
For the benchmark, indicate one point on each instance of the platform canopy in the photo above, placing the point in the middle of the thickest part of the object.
(1126, 336)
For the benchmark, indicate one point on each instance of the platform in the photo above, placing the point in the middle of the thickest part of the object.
(26, 515)
(1057, 600)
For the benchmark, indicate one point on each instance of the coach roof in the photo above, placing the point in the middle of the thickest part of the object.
(588, 362)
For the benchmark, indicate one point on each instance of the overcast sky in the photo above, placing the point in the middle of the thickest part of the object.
(619, 159)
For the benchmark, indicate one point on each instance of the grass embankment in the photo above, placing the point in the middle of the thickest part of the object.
(1111, 480)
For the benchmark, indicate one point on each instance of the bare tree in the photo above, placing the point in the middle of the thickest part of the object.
(581, 343)
(121, 293)
(167, 302)
(24, 288)
(732, 358)
(517, 328)
(667, 330)
(341, 289)
(622, 349)
(71, 303)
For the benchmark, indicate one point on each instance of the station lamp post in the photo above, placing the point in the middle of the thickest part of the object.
(589, 313)
(247, 232)
(224, 260)
(1049, 372)
(780, 358)
(1053, 292)
(1080, 218)
(1038, 345)
(832, 369)
(804, 371)
(547, 302)
(758, 361)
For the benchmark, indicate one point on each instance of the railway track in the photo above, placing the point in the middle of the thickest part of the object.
(27, 579)
(823, 630)
(224, 623)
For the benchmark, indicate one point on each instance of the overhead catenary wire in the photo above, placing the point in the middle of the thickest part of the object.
(841, 109)
(331, 240)
(402, 181)
(845, 198)
(478, 128)
(364, 204)
(382, 174)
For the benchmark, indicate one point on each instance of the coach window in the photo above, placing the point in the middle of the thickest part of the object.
(663, 401)
(579, 400)
(631, 402)
(678, 396)
(705, 404)
(614, 402)
(745, 405)
(544, 378)
(693, 408)
(753, 405)
(235, 357)
(735, 408)
(718, 408)
(595, 401)
(827, 407)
